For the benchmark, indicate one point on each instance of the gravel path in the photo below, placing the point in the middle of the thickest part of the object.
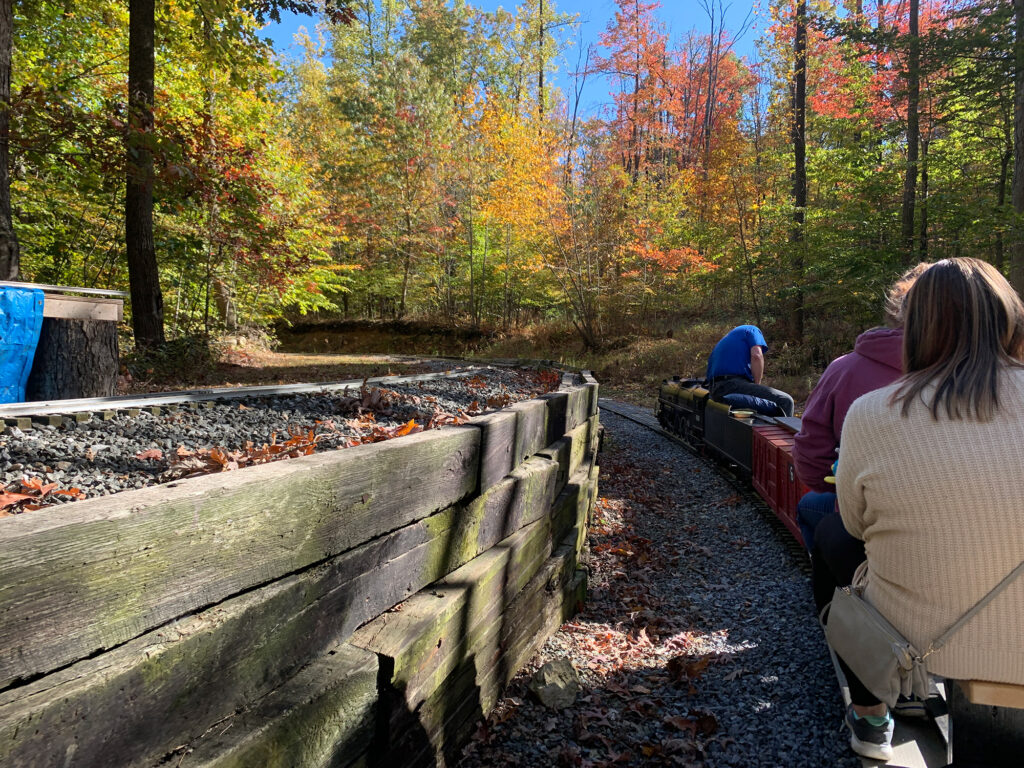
(97, 458)
(698, 645)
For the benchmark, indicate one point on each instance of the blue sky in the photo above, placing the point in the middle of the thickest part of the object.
(678, 16)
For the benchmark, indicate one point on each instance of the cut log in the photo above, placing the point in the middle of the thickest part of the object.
(74, 358)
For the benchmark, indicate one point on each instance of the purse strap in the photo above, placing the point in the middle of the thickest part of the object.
(941, 640)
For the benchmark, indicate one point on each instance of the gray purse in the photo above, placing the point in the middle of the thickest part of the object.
(878, 654)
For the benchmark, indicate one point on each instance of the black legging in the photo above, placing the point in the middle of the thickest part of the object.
(835, 557)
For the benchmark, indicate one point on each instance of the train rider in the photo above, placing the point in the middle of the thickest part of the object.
(926, 479)
(876, 360)
(736, 366)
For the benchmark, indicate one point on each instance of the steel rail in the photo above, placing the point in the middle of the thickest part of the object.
(65, 289)
(122, 402)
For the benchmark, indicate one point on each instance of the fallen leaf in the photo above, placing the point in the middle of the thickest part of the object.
(687, 667)
(10, 499)
(75, 493)
(406, 428)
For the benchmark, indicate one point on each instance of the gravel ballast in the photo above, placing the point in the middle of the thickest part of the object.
(98, 457)
(698, 644)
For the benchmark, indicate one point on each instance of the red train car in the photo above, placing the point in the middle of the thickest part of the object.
(773, 475)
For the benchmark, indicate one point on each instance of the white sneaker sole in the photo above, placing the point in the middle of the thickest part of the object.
(873, 751)
(915, 710)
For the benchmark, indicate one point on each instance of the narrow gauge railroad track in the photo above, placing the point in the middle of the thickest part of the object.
(85, 448)
(646, 418)
(53, 412)
(917, 743)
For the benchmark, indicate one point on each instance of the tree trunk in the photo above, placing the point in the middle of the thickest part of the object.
(74, 358)
(799, 167)
(913, 134)
(1017, 193)
(10, 259)
(143, 276)
(540, 64)
(1004, 174)
(406, 264)
(923, 237)
(225, 304)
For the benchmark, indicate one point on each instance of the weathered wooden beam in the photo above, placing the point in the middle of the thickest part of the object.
(324, 717)
(97, 573)
(434, 619)
(183, 677)
(523, 496)
(593, 389)
(983, 736)
(571, 509)
(557, 403)
(559, 452)
(431, 731)
(81, 308)
(531, 429)
(479, 638)
(497, 441)
(578, 408)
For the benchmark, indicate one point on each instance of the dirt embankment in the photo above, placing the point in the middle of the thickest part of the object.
(397, 337)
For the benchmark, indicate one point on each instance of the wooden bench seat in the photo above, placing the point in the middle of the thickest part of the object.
(986, 722)
(984, 693)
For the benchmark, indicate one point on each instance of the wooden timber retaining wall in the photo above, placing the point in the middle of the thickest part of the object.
(252, 619)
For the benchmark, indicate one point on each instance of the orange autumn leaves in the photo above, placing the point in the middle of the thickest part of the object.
(185, 462)
(32, 494)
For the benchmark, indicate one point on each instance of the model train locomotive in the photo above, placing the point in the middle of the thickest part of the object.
(758, 446)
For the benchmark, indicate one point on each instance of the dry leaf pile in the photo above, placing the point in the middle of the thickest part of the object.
(32, 494)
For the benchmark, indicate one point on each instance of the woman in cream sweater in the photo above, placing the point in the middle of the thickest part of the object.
(929, 478)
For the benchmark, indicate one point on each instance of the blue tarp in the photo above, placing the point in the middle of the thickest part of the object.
(21, 318)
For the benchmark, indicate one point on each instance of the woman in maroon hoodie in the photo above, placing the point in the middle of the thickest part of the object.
(875, 362)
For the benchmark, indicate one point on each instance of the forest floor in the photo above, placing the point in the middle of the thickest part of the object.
(629, 368)
(255, 366)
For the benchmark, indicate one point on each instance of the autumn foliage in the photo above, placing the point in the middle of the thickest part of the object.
(431, 159)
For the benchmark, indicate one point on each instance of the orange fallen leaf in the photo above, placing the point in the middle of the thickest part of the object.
(75, 493)
(406, 428)
(10, 499)
(35, 484)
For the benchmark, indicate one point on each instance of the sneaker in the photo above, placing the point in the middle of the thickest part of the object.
(867, 740)
(910, 706)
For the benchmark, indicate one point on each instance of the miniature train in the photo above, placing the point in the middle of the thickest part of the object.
(759, 447)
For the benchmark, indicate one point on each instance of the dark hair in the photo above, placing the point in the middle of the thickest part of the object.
(898, 293)
(963, 324)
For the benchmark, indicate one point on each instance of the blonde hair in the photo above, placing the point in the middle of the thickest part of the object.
(898, 293)
(963, 324)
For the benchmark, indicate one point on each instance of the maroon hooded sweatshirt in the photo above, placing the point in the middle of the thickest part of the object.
(876, 361)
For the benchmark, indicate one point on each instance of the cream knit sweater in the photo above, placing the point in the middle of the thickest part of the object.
(940, 507)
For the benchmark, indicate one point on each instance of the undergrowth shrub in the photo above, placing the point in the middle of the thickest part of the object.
(197, 355)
